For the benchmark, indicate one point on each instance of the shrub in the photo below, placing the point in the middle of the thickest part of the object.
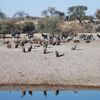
(97, 29)
(28, 26)
(48, 25)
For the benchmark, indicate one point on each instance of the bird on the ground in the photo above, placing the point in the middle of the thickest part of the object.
(74, 47)
(57, 53)
(30, 48)
(8, 44)
(44, 50)
(16, 44)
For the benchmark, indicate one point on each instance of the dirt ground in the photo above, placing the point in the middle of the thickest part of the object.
(75, 67)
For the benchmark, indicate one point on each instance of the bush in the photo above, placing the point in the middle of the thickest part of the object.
(48, 25)
(28, 26)
(6, 27)
(71, 28)
(97, 29)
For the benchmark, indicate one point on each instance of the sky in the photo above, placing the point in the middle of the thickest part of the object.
(35, 7)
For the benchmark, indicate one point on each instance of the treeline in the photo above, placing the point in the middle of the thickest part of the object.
(52, 21)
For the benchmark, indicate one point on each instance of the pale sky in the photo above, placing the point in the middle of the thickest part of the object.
(35, 7)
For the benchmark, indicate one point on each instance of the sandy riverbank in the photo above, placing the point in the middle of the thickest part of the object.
(79, 67)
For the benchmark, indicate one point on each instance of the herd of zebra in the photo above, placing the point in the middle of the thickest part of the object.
(48, 40)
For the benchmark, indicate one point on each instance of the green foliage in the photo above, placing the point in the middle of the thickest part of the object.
(77, 12)
(52, 12)
(44, 13)
(2, 15)
(28, 26)
(98, 13)
(88, 28)
(97, 29)
(52, 21)
(20, 14)
(6, 27)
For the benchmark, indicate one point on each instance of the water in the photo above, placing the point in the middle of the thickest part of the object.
(39, 95)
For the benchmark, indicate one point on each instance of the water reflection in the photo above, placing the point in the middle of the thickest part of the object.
(50, 95)
(57, 92)
(49, 92)
(30, 92)
(45, 93)
(75, 91)
(23, 93)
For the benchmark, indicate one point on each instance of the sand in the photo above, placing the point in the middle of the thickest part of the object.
(79, 67)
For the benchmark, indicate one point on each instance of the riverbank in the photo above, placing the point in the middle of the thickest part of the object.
(76, 67)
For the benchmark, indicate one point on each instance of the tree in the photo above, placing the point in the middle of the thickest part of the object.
(44, 13)
(52, 12)
(49, 12)
(59, 14)
(20, 14)
(98, 14)
(77, 12)
(2, 15)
